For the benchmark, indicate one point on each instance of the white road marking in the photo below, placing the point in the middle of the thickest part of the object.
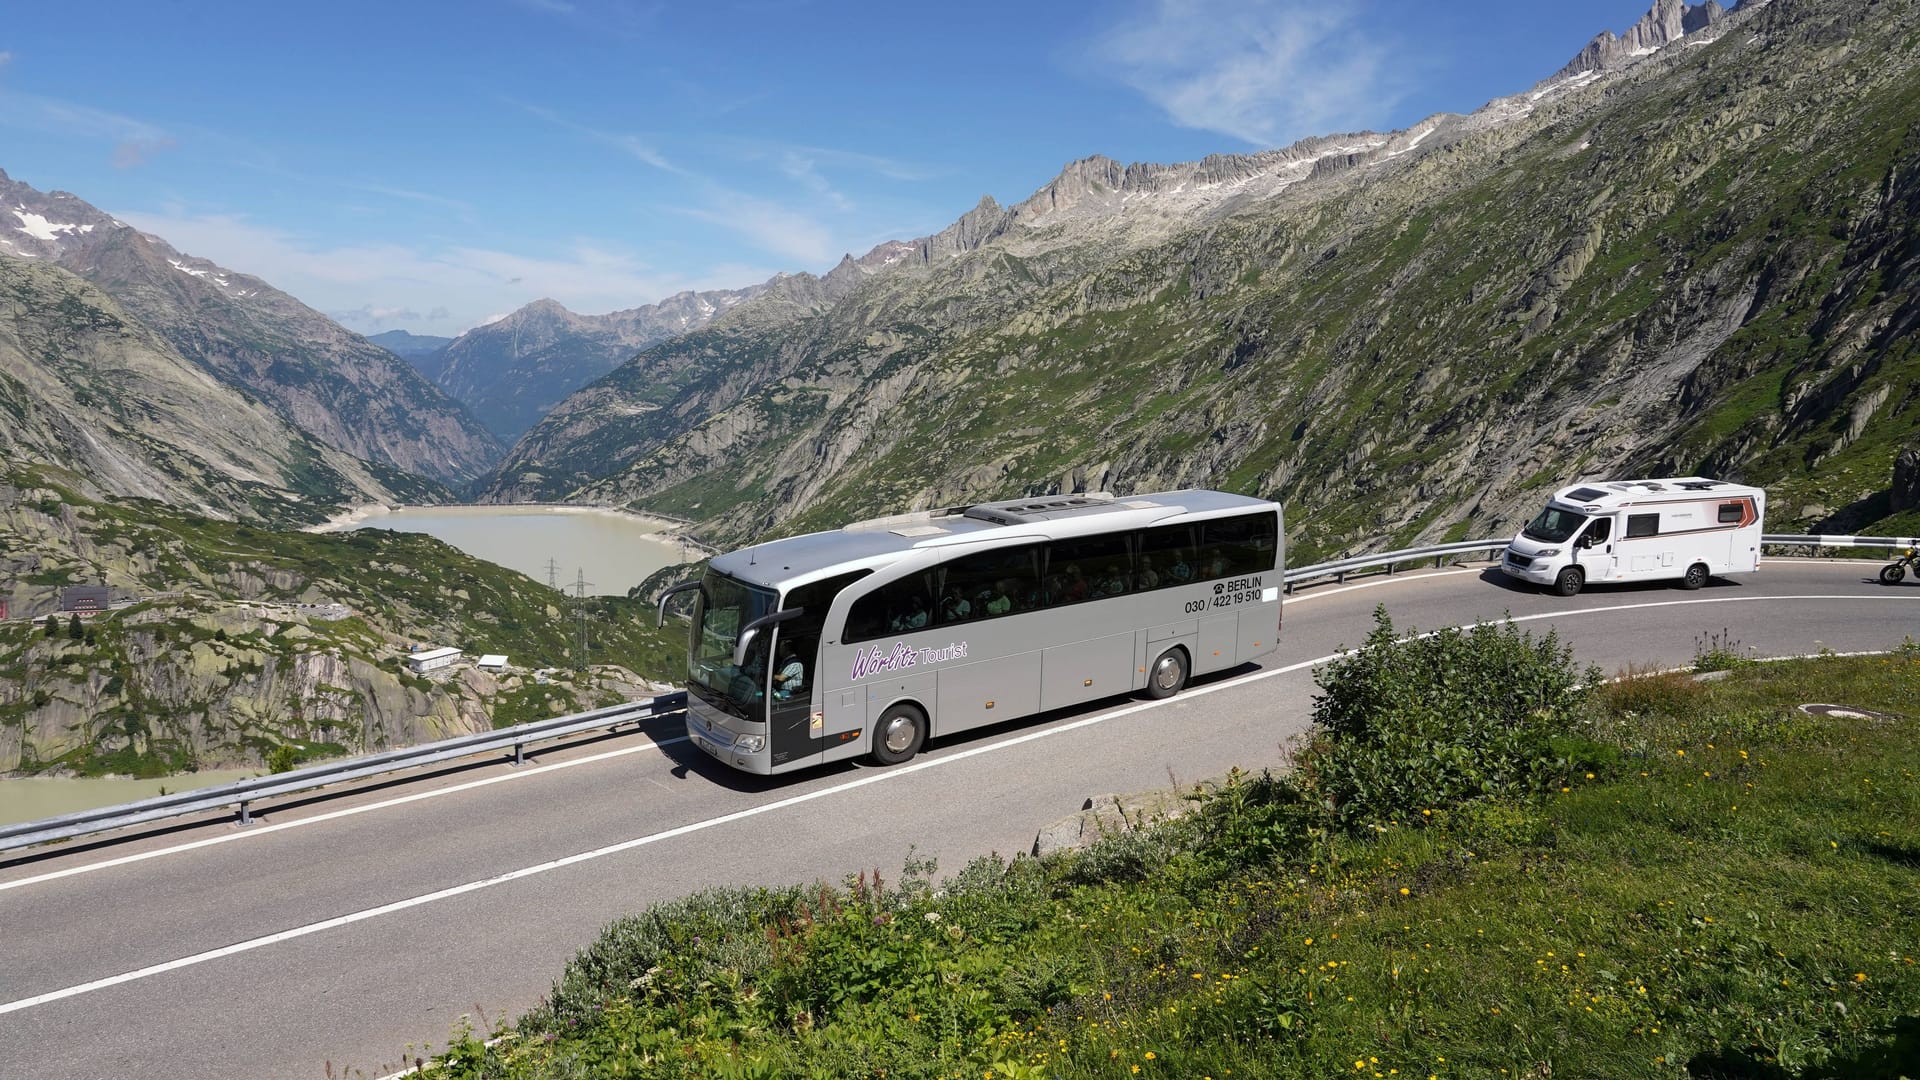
(252, 831)
(931, 762)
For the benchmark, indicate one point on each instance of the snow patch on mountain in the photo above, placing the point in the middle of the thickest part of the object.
(41, 228)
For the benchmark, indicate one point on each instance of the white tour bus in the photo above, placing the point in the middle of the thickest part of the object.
(1688, 528)
(872, 638)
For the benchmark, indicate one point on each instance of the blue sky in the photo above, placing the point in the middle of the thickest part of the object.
(428, 166)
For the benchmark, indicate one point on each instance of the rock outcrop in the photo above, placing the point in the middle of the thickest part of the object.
(1906, 480)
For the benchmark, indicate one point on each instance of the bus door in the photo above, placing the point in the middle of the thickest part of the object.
(794, 687)
(791, 733)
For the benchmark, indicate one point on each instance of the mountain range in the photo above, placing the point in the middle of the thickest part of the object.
(1681, 252)
(323, 379)
(511, 371)
(1687, 251)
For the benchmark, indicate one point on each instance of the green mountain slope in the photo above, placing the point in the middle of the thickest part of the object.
(1699, 261)
(88, 389)
(325, 380)
(238, 640)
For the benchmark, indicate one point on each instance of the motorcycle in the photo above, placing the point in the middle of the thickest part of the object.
(1891, 573)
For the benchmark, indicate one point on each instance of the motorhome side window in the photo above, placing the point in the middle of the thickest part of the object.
(1643, 525)
(1731, 513)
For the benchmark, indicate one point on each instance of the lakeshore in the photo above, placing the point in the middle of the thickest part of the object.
(596, 550)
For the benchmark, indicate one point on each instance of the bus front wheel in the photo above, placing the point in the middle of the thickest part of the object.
(899, 734)
(1168, 675)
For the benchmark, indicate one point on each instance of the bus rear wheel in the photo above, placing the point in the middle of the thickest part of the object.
(1168, 675)
(900, 733)
(1569, 581)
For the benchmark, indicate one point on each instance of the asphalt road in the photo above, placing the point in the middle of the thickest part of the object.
(353, 931)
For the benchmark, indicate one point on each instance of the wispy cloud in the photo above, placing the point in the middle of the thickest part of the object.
(634, 146)
(5, 59)
(801, 169)
(372, 286)
(1265, 71)
(843, 160)
(133, 140)
(770, 226)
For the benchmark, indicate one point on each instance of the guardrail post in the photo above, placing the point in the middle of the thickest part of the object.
(519, 753)
(246, 816)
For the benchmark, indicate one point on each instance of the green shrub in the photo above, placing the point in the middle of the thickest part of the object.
(1433, 720)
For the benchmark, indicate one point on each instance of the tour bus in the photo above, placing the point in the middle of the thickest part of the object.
(872, 638)
(1687, 528)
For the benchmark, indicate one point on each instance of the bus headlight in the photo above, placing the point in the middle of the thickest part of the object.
(750, 744)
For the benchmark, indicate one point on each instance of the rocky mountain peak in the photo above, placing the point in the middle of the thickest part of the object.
(46, 225)
(1668, 21)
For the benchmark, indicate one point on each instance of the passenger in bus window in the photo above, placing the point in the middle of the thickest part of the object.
(1111, 583)
(1148, 577)
(1001, 602)
(1180, 572)
(1076, 586)
(955, 608)
(915, 617)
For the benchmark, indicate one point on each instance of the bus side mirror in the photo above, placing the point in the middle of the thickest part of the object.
(752, 629)
(661, 603)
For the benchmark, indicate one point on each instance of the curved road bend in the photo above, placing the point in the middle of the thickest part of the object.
(347, 930)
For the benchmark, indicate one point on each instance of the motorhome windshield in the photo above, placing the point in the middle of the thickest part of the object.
(1554, 525)
(724, 606)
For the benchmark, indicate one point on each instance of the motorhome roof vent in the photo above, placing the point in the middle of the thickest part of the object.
(1586, 494)
(1700, 485)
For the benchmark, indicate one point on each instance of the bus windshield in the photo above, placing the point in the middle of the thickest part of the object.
(1554, 525)
(725, 605)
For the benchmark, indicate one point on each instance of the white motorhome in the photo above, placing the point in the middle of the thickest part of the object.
(1687, 528)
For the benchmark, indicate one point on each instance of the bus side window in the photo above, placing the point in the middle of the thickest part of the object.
(1238, 545)
(1089, 568)
(989, 583)
(803, 634)
(1166, 557)
(898, 607)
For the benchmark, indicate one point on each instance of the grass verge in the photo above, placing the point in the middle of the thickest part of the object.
(1661, 877)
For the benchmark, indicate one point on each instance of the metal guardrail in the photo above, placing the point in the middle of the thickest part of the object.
(246, 792)
(1785, 540)
(1439, 553)
(1340, 568)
